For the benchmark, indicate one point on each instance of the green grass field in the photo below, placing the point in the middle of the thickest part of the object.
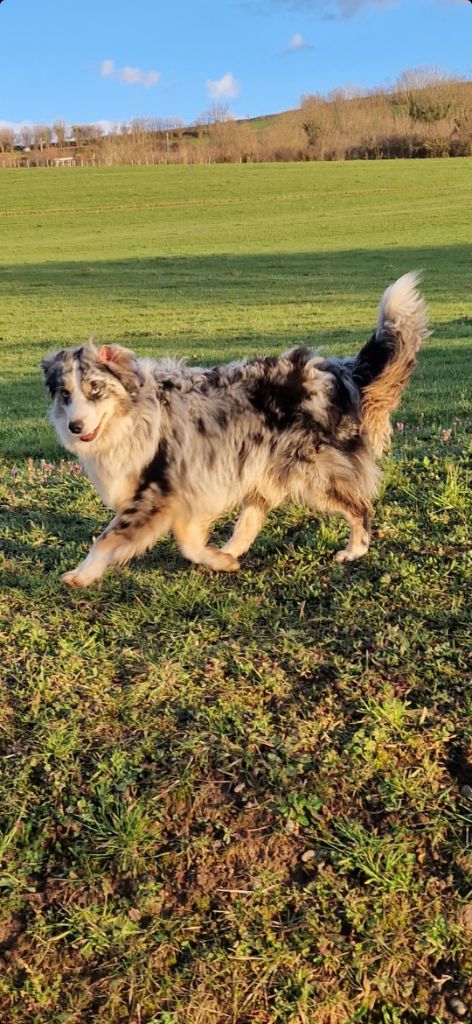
(236, 800)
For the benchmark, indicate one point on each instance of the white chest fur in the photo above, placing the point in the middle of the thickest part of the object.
(114, 485)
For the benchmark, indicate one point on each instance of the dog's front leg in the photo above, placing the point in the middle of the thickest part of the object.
(91, 569)
(249, 524)
(131, 532)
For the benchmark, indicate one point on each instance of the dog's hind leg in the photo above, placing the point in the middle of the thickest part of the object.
(357, 515)
(131, 532)
(191, 536)
(247, 527)
(359, 538)
(337, 500)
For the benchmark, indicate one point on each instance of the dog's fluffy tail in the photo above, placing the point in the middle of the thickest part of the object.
(384, 364)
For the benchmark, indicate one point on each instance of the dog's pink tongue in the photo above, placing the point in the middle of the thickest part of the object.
(89, 437)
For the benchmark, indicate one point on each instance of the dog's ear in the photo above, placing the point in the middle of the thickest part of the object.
(115, 354)
(123, 364)
(52, 371)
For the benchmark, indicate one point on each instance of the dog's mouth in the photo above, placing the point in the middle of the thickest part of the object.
(91, 436)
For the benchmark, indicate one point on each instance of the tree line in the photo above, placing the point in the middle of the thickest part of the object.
(425, 114)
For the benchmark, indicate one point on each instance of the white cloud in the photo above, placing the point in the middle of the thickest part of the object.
(134, 76)
(129, 76)
(297, 42)
(107, 126)
(330, 10)
(333, 10)
(17, 126)
(349, 7)
(226, 87)
(346, 8)
(107, 68)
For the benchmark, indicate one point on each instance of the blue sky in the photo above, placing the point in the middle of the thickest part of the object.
(103, 60)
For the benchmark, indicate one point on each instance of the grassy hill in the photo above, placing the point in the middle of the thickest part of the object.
(241, 799)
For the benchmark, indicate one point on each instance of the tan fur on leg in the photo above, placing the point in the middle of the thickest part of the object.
(357, 514)
(248, 526)
(358, 540)
(116, 545)
(191, 536)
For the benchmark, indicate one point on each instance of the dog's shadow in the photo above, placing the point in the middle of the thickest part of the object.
(39, 544)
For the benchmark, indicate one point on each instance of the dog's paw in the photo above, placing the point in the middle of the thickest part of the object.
(343, 556)
(228, 563)
(75, 578)
(219, 561)
(348, 556)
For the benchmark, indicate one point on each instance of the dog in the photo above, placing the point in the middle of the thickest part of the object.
(171, 448)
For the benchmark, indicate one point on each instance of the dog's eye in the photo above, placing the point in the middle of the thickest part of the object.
(65, 394)
(95, 390)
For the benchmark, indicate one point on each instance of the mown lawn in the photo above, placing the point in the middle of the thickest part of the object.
(245, 799)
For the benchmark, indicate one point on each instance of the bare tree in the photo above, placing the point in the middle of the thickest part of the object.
(84, 132)
(42, 134)
(59, 128)
(423, 78)
(430, 93)
(26, 135)
(216, 113)
(7, 139)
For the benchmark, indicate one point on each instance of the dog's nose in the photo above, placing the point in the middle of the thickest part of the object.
(76, 427)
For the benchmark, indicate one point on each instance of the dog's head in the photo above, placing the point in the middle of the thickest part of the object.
(90, 387)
